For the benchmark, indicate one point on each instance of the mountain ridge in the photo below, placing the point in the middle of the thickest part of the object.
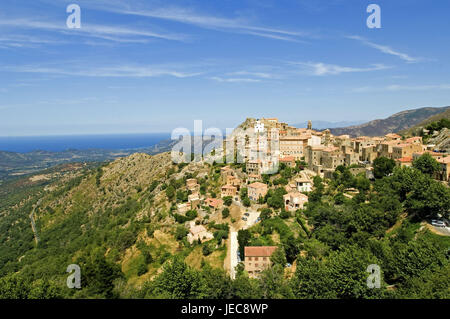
(395, 123)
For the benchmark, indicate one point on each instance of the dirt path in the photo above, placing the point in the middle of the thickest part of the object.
(33, 224)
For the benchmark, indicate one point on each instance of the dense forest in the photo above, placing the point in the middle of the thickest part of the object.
(331, 242)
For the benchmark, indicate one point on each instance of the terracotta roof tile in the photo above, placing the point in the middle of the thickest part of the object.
(257, 185)
(259, 251)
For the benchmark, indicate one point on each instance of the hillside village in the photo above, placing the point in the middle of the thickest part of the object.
(302, 154)
(302, 201)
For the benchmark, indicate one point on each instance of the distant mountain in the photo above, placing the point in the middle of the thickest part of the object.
(321, 125)
(395, 123)
(416, 128)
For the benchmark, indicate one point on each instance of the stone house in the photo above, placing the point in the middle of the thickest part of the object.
(228, 190)
(303, 183)
(405, 150)
(294, 200)
(198, 232)
(257, 259)
(257, 190)
(215, 203)
(404, 161)
(444, 172)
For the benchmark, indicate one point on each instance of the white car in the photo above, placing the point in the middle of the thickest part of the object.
(438, 223)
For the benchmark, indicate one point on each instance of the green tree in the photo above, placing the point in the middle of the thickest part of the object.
(170, 192)
(191, 214)
(181, 232)
(275, 198)
(316, 195)
(98, 275)
(244, 237)
(426, 164)
(246, 288)
(312, 280)
(348, 275)
(207, 249)
(243, 193)
(182, 196)
(383, 166)
(225, 212)
(227, 200)
(279, 257)
(266, 213)
(142, 267)
(218, 284)
(339, 198)
(413, 258)
(177, 281)
(246, 202)
(428, 198)
(15, 286)
(274, 285)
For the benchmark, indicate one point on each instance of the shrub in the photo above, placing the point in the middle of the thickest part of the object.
(225, 212)
(227, 200)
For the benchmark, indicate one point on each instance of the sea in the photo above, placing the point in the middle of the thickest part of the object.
(24, 144)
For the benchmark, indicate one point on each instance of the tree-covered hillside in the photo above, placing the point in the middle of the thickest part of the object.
(119, 222)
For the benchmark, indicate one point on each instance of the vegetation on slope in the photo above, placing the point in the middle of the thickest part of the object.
(118, 222)
(395, 123)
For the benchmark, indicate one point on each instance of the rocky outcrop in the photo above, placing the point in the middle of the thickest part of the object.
(442, 141)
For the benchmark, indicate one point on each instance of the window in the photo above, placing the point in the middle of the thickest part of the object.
(256, 258)
(256, 265)
(250, 258)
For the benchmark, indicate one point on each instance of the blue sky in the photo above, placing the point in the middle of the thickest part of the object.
(150, 66)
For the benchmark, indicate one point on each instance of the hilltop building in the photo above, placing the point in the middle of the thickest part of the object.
(257, 190)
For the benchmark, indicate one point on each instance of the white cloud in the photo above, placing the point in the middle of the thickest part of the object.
(21, 41)
(110, 33)
(131, 71)
(418, 87)
(386, 49)
(262, 75)
(188, 16)
(320, 69)
(235, 80)
(400, 87)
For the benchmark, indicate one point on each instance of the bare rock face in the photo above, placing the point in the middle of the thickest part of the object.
(442, 141)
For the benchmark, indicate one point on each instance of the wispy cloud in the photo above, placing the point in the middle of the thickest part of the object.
(320, 69)
(397, 87)
(385, 49)
(21, 41)
(105, 32)
(130, 71)
(235, 80)
(208, 21)
(262, 75)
